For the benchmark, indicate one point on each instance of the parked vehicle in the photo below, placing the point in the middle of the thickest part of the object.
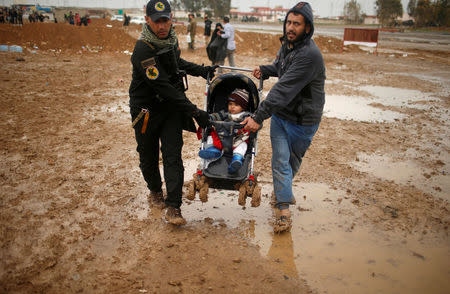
(117, 17)
(138, 19)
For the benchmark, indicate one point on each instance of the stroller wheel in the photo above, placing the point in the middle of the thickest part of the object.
(200, 181)
(242, 194)
(203, 194)
(191, 190)
(256, 196)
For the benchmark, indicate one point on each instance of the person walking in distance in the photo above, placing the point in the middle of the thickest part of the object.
(295, 104)
(192, 29)
(217, 47)
(159, 107)
(207, 32)
(228, 33)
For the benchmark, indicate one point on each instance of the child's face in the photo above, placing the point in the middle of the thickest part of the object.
(234, 108)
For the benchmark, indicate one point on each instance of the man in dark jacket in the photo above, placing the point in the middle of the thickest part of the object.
(159, 107)
(207, 32)
(295, 104)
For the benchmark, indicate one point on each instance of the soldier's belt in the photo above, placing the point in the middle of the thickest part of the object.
(144, 113)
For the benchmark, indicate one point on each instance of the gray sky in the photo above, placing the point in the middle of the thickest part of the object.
(321, 7)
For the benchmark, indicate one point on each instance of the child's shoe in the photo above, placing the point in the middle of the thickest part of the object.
(210, 153)
(236, 163)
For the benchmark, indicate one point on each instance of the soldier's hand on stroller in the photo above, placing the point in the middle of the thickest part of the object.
(250, 124)
(202, 118)
(209, 71)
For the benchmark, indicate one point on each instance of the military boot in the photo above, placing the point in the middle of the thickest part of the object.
(173, 216)
(156, 199)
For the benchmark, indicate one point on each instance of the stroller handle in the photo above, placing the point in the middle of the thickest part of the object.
(236, 68)
(230, 125)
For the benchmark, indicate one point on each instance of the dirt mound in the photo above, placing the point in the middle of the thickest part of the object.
(259, 44)
(100, 35)
(104, 35)
(250, 43)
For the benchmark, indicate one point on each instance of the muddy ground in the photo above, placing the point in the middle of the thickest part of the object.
(74, 215)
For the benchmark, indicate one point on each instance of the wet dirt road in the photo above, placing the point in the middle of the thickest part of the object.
(372, 194)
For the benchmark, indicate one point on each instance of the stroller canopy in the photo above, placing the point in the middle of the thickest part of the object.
(222, 86)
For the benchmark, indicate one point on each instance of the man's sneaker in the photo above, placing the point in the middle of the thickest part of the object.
(156, 199)
(236, 163)
(173, 216)
(283, 224)
(210, 153)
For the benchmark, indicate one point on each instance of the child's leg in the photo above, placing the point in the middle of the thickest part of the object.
(209, 141)
(240, 149)
(238, 158)
(210, 152)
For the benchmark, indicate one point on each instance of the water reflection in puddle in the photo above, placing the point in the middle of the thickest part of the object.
(390, 96)
(359, 108)
(406, 172)
(328, 246)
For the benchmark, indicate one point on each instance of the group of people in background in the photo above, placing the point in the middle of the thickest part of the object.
(75, 19)
(220, 44)
(11, 15)
(14, 15)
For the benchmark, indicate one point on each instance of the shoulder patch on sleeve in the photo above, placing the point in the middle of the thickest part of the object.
(152, 72)
(148, 62)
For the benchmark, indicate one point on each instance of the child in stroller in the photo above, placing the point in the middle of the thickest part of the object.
(219, 167)
(237, 104)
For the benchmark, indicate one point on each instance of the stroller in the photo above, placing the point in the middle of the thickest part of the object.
(215, 174)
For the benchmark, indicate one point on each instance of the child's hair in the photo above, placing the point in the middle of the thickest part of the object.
(240, 97)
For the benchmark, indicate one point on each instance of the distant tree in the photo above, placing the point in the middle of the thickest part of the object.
(388, 11)
(352, 12)
(424, 13)
(208, 12)
(176, 4)
(411, 10)
(442, 12)
(193, 5)
(220, 7)
(428, 13)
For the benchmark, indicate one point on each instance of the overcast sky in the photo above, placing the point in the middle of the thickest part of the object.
(321, 7)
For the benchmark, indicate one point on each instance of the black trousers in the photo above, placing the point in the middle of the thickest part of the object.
(165, 128)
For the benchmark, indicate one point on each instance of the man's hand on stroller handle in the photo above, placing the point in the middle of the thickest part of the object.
(257, 72)
(250, 124)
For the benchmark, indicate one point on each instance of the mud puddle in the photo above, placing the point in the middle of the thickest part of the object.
(328, 246)
(359, 108)
(406, 172)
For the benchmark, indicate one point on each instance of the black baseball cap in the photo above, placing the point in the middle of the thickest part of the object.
(157, 9)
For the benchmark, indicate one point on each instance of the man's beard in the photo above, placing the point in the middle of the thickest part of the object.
(299, 38)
